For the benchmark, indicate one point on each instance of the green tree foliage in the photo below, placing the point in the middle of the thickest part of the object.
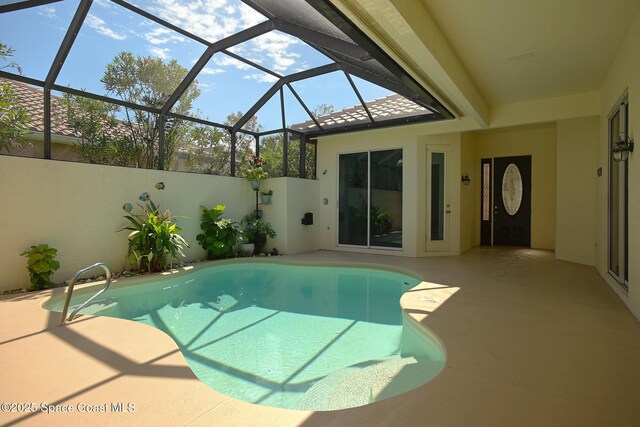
(206, 150)
(130, 137)
(13, 121)
(271, 150)
(245, 144)
(5, 53)
(103, 138)
(13, 118)
(134, 141)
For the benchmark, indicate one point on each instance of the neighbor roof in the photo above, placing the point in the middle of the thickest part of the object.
(32, 100)
(390, 110)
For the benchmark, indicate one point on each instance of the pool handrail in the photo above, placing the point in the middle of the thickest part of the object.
(84, 304)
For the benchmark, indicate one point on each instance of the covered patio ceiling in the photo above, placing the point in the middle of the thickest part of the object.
(345, 51)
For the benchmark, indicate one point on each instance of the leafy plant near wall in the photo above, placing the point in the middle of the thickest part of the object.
(257, 231)
(41, 264)
(154, 237)
(219, 236)
(381, 221)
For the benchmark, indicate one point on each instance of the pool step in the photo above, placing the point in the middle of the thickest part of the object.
(368, 382)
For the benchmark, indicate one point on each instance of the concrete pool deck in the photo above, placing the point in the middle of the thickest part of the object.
(530, 341)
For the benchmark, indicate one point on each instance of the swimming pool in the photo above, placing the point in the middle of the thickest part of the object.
(291, 336)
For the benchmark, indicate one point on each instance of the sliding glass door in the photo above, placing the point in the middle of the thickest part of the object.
(618, 199)
(370, 199)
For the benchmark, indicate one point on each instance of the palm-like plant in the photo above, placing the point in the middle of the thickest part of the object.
(154, 238)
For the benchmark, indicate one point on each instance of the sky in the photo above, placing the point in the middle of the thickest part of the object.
(226, 85)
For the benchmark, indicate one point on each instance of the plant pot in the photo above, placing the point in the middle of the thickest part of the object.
(255, 185)
(266, 199)
(248, 247)
(259, 214)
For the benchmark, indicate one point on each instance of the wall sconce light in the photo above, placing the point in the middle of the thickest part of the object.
(465, 179)
(622, 147)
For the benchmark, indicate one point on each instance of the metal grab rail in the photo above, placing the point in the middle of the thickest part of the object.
(84, 304)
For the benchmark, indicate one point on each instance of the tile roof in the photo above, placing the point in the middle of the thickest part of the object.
(383, 109)
(32, 99)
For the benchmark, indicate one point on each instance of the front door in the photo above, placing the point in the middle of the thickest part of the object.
(512, 201)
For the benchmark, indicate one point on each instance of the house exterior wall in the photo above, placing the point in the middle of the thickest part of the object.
(539, 141)
(469, 194)
(623, 76)
(413, 140)
(576, 196)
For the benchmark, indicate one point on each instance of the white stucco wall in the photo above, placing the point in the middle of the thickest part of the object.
(77, 208)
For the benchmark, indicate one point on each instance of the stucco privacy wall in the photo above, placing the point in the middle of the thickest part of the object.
(539, 141)
(624, 75)
(577, 158)
(413, 140)
(292, 198)
(76, 208)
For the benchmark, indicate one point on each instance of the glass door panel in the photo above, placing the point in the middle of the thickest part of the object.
(438, 207)
(437, 196)
(370, 199)
(353, 203)
(618, 199)
(386, 199)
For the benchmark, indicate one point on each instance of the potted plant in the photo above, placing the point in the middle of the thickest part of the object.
(265, 196)
(255, 172)
(257, 232)
(219, 236)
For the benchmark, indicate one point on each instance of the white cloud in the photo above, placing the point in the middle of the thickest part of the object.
(227, 61)
(48, 11)
(275, 46)
(261, 78)
(163, 35)
(217, 19)
(207, 70)
(249, 17)
(210, 19)
(101, 28)
(104, 3)
(162, 53)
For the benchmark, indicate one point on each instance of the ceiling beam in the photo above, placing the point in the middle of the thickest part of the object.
(313, 72)
(19, 5)
(225, 43)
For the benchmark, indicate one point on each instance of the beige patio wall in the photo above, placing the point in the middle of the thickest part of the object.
(624, 75)
(538, 141)
(576, 189)
(77, 208)
(413, 140)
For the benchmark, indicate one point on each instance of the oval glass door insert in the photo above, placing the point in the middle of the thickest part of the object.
(512, 189)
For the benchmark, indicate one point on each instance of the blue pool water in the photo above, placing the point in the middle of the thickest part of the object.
(304, 337)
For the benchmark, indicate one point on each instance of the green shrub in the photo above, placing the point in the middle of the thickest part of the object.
(219, 236)
(154, 237)
(41, 264)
